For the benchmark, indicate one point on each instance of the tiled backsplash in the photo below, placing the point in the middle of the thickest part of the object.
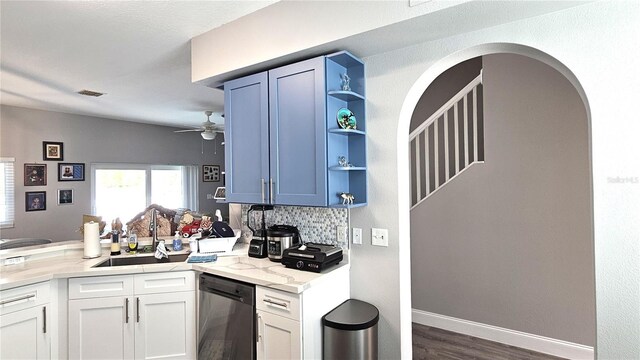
(316, 225)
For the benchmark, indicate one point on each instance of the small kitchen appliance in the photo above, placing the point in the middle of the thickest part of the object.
(258, 245)
(311, 257)
(280, 238)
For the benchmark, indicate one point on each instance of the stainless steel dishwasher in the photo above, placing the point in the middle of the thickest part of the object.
(226, 322)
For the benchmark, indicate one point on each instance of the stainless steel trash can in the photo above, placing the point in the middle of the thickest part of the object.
(350, 331)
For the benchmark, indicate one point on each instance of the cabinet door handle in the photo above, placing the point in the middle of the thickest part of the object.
(26, 297)
(271, 191)
(137, 309)
(276, 304)
(258, 325)
(44, 317)
(126, 310)
(262, 188)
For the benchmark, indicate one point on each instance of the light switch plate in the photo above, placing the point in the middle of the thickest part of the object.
(379, 237)
(357, 236)
(341, 234)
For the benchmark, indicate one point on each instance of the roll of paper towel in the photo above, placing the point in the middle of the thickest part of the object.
(92, 240)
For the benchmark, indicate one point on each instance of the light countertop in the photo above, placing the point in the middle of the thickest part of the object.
(64, 260)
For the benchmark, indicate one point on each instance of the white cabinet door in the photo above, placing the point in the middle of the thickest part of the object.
(101, 328)
(23, 334)
(166, 326)
(278, 337)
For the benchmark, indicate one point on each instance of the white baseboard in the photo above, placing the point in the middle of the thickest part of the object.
(519, 339)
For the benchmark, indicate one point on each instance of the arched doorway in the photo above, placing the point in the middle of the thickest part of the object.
(409, 105)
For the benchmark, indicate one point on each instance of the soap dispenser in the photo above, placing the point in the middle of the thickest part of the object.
(177, 242)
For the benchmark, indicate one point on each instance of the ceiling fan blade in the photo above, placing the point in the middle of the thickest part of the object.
(179, 131)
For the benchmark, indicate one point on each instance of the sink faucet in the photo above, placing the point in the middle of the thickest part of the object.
(153, 227)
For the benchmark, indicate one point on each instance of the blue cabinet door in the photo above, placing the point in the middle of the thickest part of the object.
(246, 134)
(298, 134)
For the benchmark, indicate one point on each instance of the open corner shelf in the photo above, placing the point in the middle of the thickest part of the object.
(345, 95)
(350, 168)
(348, 143)
(347, 132)
(340, 206)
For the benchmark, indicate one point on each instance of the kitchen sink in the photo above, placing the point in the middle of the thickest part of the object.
(16, 243)
(141, 260)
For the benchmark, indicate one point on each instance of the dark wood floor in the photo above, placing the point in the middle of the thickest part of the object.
(433, 343)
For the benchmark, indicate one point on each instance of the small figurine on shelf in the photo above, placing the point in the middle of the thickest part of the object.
(347, 198)
(342, 161)
(346, 119)
(344, 82)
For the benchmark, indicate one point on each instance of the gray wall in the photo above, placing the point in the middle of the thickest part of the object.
(508, 243)
(91, 140)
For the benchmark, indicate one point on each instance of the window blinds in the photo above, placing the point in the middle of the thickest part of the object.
(7, 192)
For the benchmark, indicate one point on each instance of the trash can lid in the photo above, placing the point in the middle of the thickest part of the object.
(352, 315)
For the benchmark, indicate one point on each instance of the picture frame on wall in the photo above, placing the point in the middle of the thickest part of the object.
(35, 174)
(35, 201)
(71, 172)
(220, 193)
(65, 196)
(52, 151)
(210, 173)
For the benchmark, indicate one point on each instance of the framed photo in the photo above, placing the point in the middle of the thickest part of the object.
(35, 201)
(52, 151)
(65, 196)
(220, 194)
(210, 173)
(71, 172)
(35, 174)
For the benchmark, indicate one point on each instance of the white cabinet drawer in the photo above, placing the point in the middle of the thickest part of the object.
(278, 302)
(100, 286)
(23, 297)
(153, 283)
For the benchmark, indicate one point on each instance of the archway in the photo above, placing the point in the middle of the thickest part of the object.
(408, 107)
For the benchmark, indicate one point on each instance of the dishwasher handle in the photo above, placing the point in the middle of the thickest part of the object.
(230, 296)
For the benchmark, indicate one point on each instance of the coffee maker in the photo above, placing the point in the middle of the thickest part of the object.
(258, 244)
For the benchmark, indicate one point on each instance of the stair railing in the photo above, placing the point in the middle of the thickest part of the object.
(447, 142)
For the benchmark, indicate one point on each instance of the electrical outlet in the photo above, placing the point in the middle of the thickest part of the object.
(357, 236)
(341, 234)
(379, 237)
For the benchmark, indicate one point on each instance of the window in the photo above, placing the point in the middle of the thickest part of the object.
(125, 190)
(7, 192)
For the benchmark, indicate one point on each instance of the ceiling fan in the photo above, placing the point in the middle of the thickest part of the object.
(208, 130)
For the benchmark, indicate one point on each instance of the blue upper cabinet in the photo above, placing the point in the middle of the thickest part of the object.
(246, 134)
(298, 134)
(283, 142)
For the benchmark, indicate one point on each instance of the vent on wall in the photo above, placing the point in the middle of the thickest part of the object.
(448, 142)
(90, 93)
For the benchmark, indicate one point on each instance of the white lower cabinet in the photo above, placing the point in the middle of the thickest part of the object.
(24, 323)
(146, 316)
(171, 314)
(290, 325)
(101, 328)
(278, 337)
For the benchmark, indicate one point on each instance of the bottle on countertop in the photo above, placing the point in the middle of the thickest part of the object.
(115, 243)
(177, 242)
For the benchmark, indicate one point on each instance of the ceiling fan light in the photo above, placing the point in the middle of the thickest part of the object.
(208, 135)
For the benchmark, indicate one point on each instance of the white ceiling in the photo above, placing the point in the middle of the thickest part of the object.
(137, 52)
